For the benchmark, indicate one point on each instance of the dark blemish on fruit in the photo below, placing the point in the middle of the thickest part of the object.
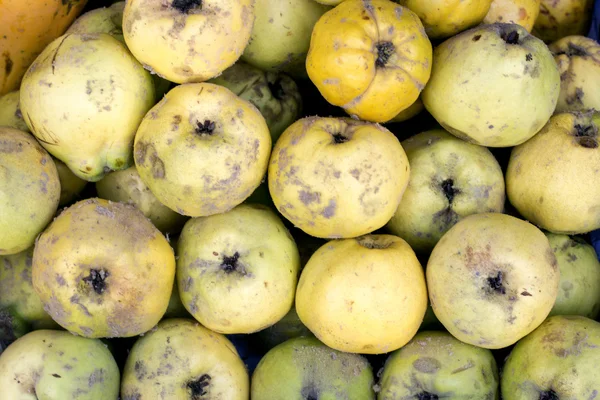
(384, 52)
(10, 147)
(97, 280)
(526, 293)
(491, 127)
(307, 197)
(355, 173)
(75, 300)
(133, 396)
(60, 280)
(140, 370)
(528, 57)
(573, 50)
(549, 395)
(338, 138)
(476, 38)
(96, 377)
(276, 89)
(232, 264)
(571, 257)
(176, 122)
(309, 392)
(496, 283)
(427, 396)
(577, 97)
(511, 37)
(185, 6)
(206, 128)
(199, 387)
(551, 259)
(449, 190)
(8, 64)
(329, 211)
(427, 365)
(158, 166)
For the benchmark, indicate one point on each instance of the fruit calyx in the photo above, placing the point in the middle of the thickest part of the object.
(549, 395)
(510, 37)
(97, 280)
(339, 138)
(384, 52)
(276, 89)
(587, 135)
(198, 387)
(206, 128)
(231, 264)
(449, 190)
(184, 6)
(427, 396)
(496, 283)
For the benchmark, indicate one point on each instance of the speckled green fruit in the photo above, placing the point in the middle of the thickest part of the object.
(304, 368)
(435, 365)
(57, 365)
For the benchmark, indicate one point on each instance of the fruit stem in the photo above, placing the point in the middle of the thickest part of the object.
(184, 6)
(384, 52)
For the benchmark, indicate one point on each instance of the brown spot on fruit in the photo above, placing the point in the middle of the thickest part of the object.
(427, 365)
(158, 166)
(526, 293)
(476, 38)
(522, 13)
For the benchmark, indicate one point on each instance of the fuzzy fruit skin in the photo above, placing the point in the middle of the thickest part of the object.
(188, 47)
(560, 18)
(56, 365)
(19, 298)
(337, 190)
(579, 289)
(276, 95)
(10, 111)
(342, 58)
(426, 212)
(95, 234)
(464, 267)
(178, 351)
(281, 35)
(126, 186)
(83, 99)
(551, 179)
(201, 174)
(365, 295)
(26, 28)
(259, 291)
(578, 59)
(522, 12)
(311, 370)
(489, 108)
(561, 356)
(445, 18)
(437, 363)
(29, 190)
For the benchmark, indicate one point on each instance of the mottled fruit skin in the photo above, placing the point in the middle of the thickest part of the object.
(438, 364)
(556, 361)
(276, 95)
(202, 150)
(370, 57)
(126, 186)
(305, 368)
(445, 18)
(21, 310)
(365, 295)
(560, 18)
(552, 179)
(578, 60)
(187, 41)
(337, 177)
(56, 365)
(29, 190)
(522, 12)
(493, 85)
(492, 279)
(237, 271)
(181, 359)
(579, 288)
(103, 270)
(83, 99)
(281, 34)
(449, 179)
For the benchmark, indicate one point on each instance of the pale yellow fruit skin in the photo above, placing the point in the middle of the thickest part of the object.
(192, 47)
(579, 73)
(425, 213)
(482, 99)
(198, 174)
(329, 2)
(126, 186)
(83, 98)
(444, 18)
(70, 184)
(560, 18)
(438, 363)
(249, 299)
(86, 369)
(522, 12)
(477, 248)
(363, 300)
(561, 355)
(101, 20)
(551, 179)
(10, 111)
(337, 190)
(343, 54)
(114, 237)
(29, 190)
(179, 351)
(579, 289)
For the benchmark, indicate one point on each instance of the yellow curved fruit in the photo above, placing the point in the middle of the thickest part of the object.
(551, 179)
(445, 18)
(29, 190)
(370, 57)
(83, 99)
(411, 112)
(26, 28)
(522, 12)
(560, 18)
(329, 2)
(103, 270)
(187, 41)
(364, 295)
